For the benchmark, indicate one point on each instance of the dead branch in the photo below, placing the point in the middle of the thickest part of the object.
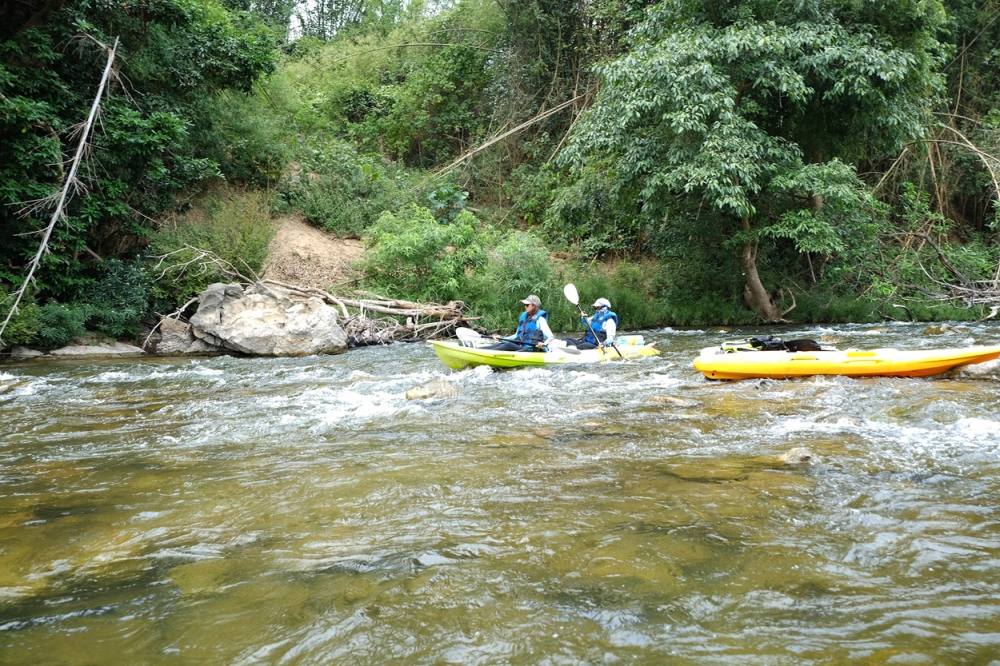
(202, 261)
(500, 137)
(790, 307)
(176, 314)
(987, 159)
(70, 182)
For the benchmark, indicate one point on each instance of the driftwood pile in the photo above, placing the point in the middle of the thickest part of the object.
(371, 319)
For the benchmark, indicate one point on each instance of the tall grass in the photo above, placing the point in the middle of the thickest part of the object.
(232, 224)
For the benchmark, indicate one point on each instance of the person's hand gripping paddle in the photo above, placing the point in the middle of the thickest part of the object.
(573, 296)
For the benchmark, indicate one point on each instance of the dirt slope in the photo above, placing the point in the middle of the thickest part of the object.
(303, 255)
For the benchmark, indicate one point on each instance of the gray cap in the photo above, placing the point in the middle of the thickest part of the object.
(532, 300)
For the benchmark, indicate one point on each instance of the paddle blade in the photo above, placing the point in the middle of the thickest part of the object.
(571, 294)
(469, 338)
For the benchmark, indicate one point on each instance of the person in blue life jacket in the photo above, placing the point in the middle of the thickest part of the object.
(604, 323)
(533, 332)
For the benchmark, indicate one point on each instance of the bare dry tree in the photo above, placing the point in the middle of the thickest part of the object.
(70, 183)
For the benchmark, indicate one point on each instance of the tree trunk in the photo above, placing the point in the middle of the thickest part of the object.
(754, 293)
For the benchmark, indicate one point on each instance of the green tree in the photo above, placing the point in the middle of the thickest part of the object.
(754, 112)
(172, 54)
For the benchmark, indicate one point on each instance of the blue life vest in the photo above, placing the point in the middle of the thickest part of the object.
(528, 333)
(597, 323)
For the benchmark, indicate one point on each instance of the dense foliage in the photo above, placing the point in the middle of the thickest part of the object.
(145, 152)
(750, 116)
(725, 162)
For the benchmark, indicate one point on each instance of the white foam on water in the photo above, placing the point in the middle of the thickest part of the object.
(29, 387)
(796, 424)
(114, 377)
(976, 430)
(355, 407)
(475, 375)
(656, 380)
(672, 331)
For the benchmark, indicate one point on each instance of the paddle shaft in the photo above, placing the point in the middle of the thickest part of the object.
(517, 340)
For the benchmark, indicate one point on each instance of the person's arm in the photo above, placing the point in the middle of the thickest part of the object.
(610, 328)
(543, 326)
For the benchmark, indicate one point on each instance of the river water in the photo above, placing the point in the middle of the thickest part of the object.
(302, 511)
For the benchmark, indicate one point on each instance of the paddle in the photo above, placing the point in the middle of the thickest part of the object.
(573, 296)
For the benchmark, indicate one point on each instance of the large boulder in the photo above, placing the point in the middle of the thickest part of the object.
(265, 320)
(176, 338)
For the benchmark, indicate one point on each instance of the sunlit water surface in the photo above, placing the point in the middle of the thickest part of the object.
(303, 511)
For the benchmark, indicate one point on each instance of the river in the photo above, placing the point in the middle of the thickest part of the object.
(302, 511)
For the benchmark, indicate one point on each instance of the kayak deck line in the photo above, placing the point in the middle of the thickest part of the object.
(716, 363)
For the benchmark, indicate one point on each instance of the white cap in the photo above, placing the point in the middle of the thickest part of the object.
(602, 303)
(532, 300)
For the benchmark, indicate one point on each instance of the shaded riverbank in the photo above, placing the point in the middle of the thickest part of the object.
(303, 510)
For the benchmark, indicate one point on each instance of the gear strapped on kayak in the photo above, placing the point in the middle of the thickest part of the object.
(771, 343)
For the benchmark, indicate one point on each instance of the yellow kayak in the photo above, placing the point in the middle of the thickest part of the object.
(717, 363)
(457, 356)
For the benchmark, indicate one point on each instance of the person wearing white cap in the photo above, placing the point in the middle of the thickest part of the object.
(603, 323)
(533, 332)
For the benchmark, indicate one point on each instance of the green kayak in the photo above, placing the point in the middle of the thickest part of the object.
(456, 355)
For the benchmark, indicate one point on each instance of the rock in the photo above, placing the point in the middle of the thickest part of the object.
(7, 387)
(797, 456)
(439, 388)
(176, 338)
(939, 329)
(267, 321)
(202, 577)
(23, 353)
(682, 403)
(985, 370)
(708, 471)
(104, 349)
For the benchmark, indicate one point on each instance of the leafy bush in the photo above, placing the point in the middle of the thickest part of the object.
(246, 139)
(118, 299)
(342, 192)
(447, 201)
(434, 113)
(413, 255)
(517, 265)
(59, 324)
(592, 215)
(234, 226)
(23, 326)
